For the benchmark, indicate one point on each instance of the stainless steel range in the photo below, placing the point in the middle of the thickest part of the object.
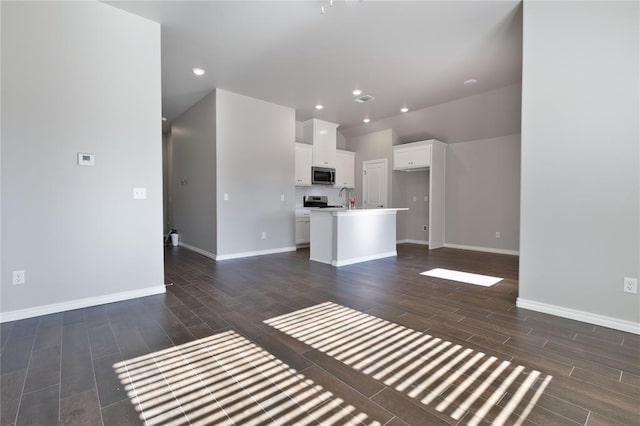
(319, 201)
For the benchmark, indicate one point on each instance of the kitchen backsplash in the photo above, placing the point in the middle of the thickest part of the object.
(330, 192)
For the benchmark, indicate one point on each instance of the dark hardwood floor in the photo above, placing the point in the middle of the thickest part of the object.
(226, 345)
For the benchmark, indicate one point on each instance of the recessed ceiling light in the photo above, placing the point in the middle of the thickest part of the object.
(198, 71)
(404, 109)
(164, 118)
(470, 81)
(319, 106)
(366, 120)
(357, 92)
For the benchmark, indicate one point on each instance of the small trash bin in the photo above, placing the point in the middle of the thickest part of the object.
(174, 239)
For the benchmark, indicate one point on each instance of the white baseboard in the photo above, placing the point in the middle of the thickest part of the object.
(485, 249)
(254, 253)
(198, 250)
(351, 261)
(410, 241)
(574, 314)
(79, 303)
(218, 257)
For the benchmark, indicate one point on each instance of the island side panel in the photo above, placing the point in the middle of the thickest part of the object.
(321, 241)
(364, 237)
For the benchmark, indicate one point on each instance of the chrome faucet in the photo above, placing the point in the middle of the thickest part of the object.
(344, 188)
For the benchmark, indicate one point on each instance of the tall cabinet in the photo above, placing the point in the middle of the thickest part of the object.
(323, 136)
(345, 169)
(429, 155)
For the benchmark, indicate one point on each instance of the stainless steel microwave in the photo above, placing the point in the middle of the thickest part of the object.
(323, 175)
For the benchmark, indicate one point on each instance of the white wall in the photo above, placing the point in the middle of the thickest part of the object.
(193, 175)
(483, 193)
(255, 166)
(580, 159)
(79, 77)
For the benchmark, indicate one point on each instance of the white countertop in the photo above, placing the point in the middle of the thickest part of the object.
(357, 211)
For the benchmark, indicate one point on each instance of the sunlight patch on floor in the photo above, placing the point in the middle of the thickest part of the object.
(226, 379)
(463, 277)
(461, 383)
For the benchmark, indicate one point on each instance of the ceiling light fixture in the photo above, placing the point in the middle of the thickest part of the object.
(322, 9)
(404, 109)
(319, 107)
(198, 71)
(164, 118)
(470, 82)
(357, 92)
(366, 120)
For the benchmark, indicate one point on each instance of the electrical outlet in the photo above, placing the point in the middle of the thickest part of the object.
(498, 234)
(424, 227)
(18, 277)
(282, 197)
(426, 198)
(415, 198)
(225, 197)
(630, 285)
(264, 235)
(139, 193)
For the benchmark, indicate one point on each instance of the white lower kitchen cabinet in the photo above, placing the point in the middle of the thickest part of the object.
(303, 228)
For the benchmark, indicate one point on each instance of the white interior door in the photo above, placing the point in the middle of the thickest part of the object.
(374, 184)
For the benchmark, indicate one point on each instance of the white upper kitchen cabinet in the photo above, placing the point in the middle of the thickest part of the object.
(323, 136)
(427, 155)
(303, 164)
(416, 155)
(345, 169)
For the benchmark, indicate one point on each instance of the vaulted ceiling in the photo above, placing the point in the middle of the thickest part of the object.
(414, 54)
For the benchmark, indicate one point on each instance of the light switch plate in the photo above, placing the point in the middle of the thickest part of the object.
(226, 197)
(139, 193)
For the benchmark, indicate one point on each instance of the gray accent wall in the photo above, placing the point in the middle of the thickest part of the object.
(483, 193)
(485, 115)
(256, 166)
(372, 146)
(580, 230)
(166, 181)
(406, 186)
(193, 175)
(79, 77)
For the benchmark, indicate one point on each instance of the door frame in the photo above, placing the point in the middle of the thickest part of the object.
(385, 163)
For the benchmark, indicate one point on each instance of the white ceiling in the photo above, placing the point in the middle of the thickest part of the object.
(404, 53)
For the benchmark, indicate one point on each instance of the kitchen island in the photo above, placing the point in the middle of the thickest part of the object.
(342, 237)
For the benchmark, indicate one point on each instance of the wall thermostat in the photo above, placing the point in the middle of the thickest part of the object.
(85, 159)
